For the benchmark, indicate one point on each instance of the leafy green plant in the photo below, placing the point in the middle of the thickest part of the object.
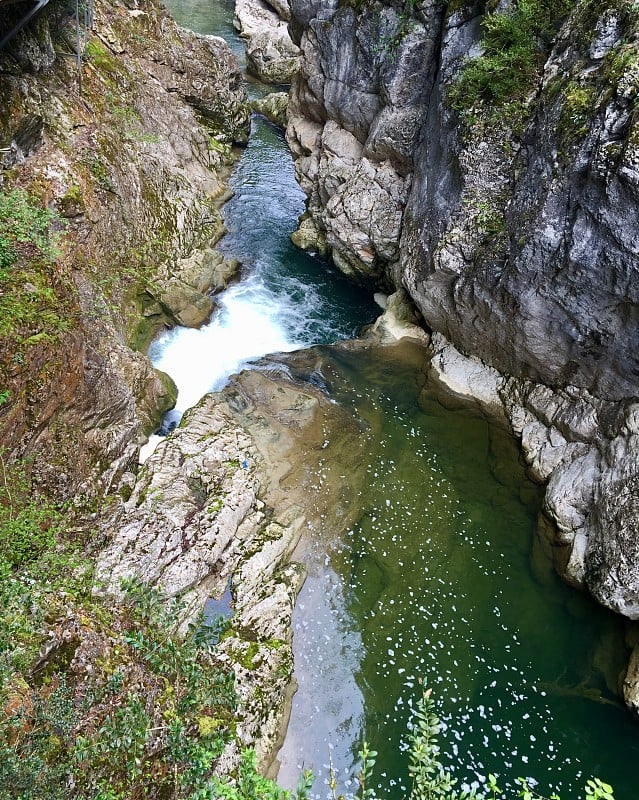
(430, 780)
(151, 717)
(365, 775)
(28, 522)
(576, 111)
(31, 289)
(513, 44)
(24, 229)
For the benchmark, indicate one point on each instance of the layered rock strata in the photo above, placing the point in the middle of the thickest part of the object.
(514, 230)
(129, 155)
(224, 500)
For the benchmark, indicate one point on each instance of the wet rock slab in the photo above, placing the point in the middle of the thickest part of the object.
(225, 499)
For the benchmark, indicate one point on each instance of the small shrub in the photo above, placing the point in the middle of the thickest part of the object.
(28, 522)
(431, 781)
(514, 42)
(24, 230)
(576, 111)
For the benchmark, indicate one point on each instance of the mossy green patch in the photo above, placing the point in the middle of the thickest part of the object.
(578, 105)
(513, 45)
(215, 505)
(36, 297)
(619, 62)
(98, 55)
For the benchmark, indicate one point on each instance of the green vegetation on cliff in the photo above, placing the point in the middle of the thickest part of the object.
(34, 293)
(105, 700)
(102, 700)
(514, 44)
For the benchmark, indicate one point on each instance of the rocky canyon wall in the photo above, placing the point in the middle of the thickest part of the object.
(126, 160)
(499, 188)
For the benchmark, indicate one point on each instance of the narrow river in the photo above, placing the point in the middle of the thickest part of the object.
(440, 579)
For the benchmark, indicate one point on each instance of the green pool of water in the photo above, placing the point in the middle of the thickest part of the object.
(441, 580)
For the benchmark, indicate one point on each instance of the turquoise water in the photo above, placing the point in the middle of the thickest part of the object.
(211, 17)
(441, 579)
(286, 299)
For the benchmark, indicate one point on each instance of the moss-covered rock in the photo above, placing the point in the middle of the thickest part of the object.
(120, 171)
(274, 107)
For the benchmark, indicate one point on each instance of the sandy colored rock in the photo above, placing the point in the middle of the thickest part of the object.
(224, 499)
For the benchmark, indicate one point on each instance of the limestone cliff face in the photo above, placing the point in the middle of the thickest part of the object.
(513, 225)
(526, 224)
(518, 234)
(130, 163)
(270, 53)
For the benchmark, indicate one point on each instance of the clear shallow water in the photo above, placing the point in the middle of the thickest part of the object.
(215, 18)
(440, 581)
(210, 17)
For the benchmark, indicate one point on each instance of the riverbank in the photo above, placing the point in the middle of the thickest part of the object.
(109, 212)
(228, 497)
(224, 500)
(130, 215)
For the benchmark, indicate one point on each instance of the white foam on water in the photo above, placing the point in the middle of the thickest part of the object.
(251, 322)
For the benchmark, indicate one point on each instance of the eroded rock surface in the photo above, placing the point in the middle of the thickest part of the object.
(224, 500)
(263, 24)
(586, 452)
(515, 234)
(274, 106)
(133, 171)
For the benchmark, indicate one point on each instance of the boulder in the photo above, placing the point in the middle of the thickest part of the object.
(270, 52)
(274, 107)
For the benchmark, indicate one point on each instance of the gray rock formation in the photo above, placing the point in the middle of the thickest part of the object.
(354, 119)
(514, 231)
(225, 499)
(270, 52)
(182, 289)
(523, 228)
(518, 245)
